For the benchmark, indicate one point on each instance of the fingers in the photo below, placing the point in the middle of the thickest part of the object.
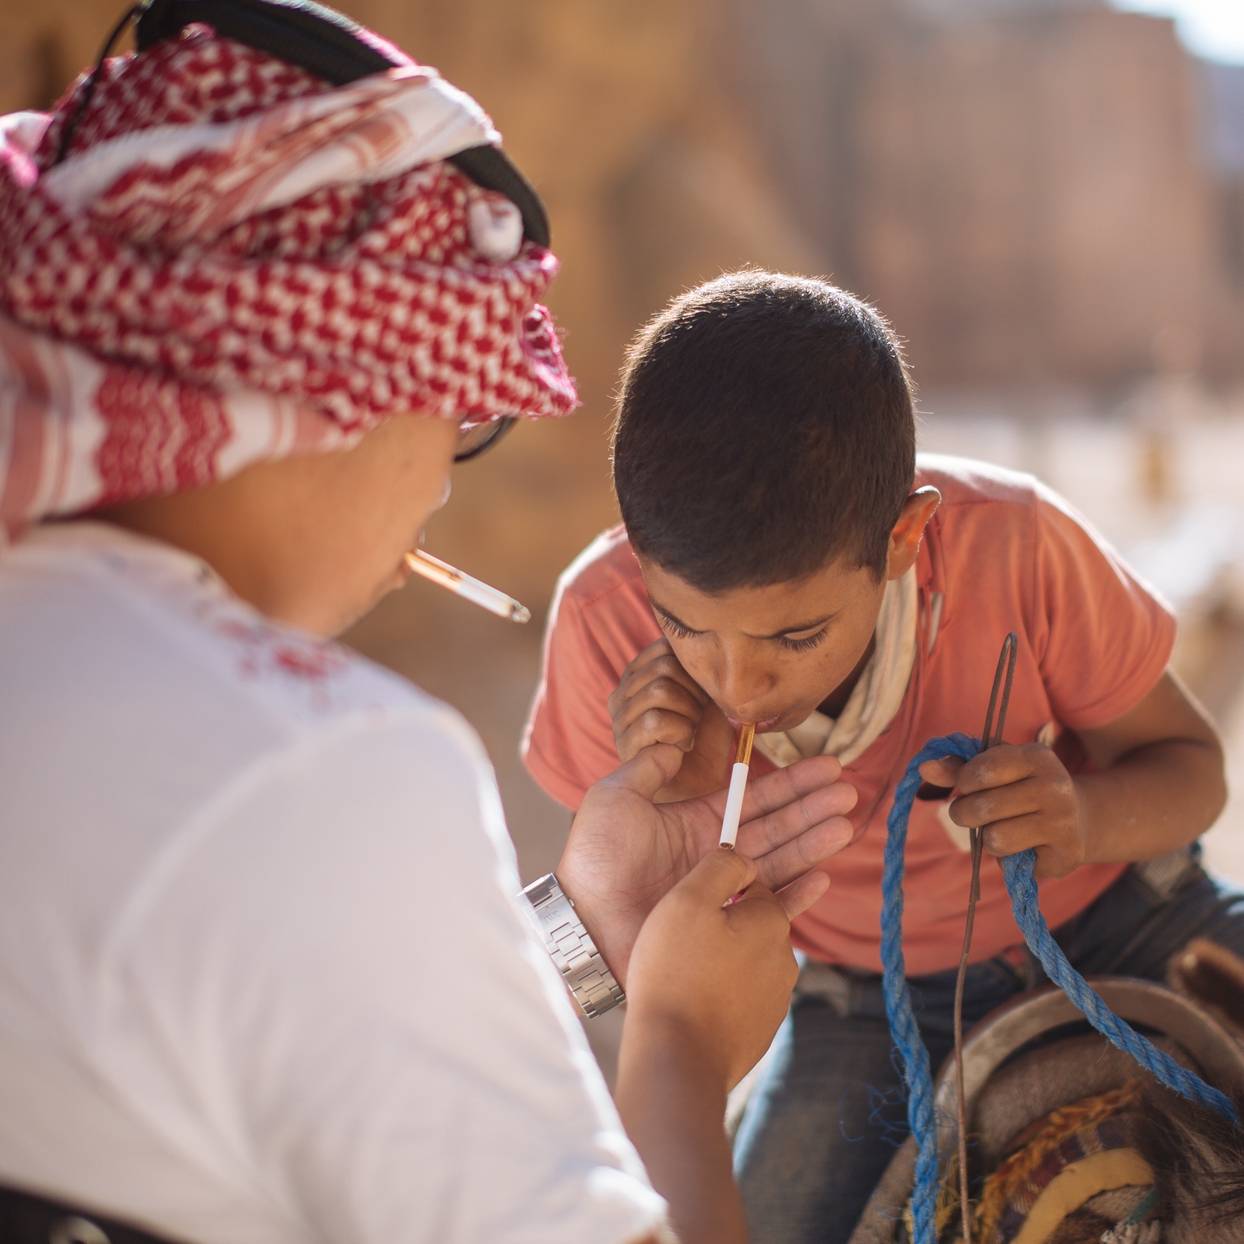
(1057, 853)
(1023, 797)
(786, 786)
(1005, 764)
(1007, 782)
(647, 771)
(944, 772)
(999, 804)
(656, 701)
(797, 897)
(1058, 842)
(718, 877)
(800, 810)
(786, 864)
(795, 819)
(1023, 781)
(758, 912)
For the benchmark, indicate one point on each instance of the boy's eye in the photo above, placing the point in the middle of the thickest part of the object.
(804, 644)
(677, 630)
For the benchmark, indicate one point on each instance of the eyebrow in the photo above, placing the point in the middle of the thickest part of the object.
(786, 630)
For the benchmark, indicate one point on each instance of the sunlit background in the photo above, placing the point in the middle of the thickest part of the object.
(1046, 197)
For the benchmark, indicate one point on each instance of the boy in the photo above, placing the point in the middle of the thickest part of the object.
(786, 561)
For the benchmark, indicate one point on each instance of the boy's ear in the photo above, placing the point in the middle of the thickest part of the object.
(905, 536)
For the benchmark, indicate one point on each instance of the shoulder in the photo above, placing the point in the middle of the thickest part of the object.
(986, 509)
(966, 483)
(606, 567)
(602, 601)
(109, 607)
(133, 664)
(981, 501)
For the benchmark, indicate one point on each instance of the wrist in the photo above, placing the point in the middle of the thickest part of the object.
(572, 948)
(657, 1035)
(672, 1104)
(610, 933)
(1082, 812)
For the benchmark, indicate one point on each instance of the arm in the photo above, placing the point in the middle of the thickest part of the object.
(1159, 785)
(708, 981)
(710, 985)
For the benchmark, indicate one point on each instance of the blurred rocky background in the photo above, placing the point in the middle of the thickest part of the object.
(1046, 197)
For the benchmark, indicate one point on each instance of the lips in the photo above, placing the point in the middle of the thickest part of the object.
(762, 727)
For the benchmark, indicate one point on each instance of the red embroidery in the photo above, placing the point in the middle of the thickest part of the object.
(267, 649)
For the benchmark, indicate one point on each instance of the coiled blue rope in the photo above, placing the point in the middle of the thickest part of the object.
(1019, 872)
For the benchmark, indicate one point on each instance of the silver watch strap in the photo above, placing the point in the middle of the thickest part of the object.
(572, 949)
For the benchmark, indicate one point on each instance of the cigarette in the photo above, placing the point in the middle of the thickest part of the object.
(464, 585)
(738, 784)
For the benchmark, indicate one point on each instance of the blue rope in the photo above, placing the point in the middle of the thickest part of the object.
(1019, 872)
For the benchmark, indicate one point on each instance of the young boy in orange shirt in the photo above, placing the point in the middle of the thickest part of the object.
(787, 560)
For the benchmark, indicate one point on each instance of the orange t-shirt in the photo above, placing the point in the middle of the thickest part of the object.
(1004, 553)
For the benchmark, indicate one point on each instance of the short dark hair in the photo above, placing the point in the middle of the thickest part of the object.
(765, 428)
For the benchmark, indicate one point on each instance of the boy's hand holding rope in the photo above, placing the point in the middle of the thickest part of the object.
(1019, 871)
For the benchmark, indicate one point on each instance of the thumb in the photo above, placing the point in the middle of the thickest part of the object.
(718, 877)
(647, 771)
(943, 772)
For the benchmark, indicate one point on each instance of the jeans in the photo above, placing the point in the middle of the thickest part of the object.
(829, 1110)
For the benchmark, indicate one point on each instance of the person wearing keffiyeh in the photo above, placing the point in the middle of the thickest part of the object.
(264, 973)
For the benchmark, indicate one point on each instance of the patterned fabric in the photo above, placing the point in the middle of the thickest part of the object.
(1043, 1150)
(239, 261)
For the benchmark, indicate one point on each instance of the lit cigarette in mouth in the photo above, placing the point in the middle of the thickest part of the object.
(738, 784)
(464, 585)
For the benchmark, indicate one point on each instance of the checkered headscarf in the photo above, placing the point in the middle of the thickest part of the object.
(239, 261)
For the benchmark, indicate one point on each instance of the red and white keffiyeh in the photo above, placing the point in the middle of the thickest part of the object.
(239, 261)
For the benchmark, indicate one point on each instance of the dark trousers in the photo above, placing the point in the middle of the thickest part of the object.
(829, 1110)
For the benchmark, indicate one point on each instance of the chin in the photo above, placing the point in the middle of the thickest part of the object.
(351, 612)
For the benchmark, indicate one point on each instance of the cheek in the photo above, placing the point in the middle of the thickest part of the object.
(696, 659)
(813, 675)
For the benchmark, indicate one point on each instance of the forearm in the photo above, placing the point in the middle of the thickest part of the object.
(673, 1106)
(1152, 800)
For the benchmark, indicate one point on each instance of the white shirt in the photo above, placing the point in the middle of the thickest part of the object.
(262, 975)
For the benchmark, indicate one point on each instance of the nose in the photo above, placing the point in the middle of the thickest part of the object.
(744, 681)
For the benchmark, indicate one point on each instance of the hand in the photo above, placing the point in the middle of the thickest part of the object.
(657, 701)
(711, 976)
(625, 853)
(1021, 796)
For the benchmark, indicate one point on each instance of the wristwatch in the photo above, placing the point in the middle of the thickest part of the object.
(572, 949)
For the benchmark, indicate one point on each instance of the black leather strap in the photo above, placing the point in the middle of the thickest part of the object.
(327, 44)
(321, 41)
(29, 1219)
